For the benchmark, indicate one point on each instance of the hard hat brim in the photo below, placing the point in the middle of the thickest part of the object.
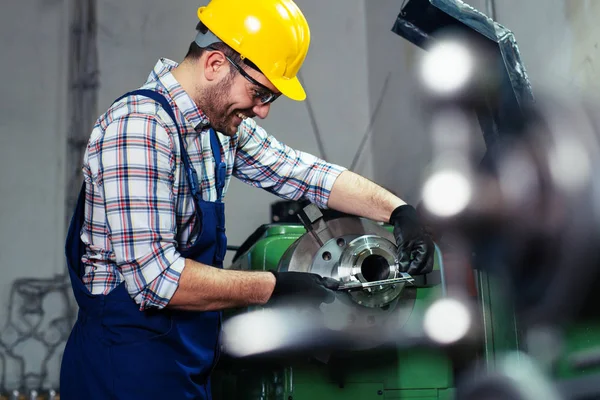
(291, 88)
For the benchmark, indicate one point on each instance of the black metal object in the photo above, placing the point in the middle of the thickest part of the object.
(422, 21)
(286, 211)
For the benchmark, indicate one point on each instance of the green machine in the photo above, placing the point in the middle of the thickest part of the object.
(353, 250)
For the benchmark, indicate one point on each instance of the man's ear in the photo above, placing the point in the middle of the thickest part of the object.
(214, 65)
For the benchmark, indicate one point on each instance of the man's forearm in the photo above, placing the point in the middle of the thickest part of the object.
(204, 288)
(353, 194)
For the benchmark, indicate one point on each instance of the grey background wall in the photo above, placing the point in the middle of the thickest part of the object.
(33, 50)
(354, 61)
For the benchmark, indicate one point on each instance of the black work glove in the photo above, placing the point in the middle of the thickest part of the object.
(415, 246)
(303, 287)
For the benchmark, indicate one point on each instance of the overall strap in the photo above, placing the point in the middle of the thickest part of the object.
(192, 176)
(220, 166)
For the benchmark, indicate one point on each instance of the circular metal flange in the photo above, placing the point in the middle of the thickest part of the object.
(327, 258)
(370, 258)
(300, 255)
(347, 313)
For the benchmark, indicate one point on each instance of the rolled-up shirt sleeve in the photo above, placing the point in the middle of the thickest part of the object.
(136, 169)
(263, 161)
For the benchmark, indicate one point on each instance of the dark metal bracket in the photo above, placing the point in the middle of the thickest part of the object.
(423, 21)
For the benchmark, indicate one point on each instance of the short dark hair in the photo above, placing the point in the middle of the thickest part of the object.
(195, 51)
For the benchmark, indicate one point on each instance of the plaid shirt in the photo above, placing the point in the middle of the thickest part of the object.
(139, 211)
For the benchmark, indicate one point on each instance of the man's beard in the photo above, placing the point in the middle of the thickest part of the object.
(214, 102)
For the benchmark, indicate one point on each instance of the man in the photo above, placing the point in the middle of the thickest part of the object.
(147, 241)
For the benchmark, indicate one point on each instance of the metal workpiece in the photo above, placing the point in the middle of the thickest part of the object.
(352, 250)
(325, 241)
(341, 248)
(366, 259)
(357, 252)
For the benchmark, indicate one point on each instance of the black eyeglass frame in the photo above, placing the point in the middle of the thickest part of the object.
(269, 96)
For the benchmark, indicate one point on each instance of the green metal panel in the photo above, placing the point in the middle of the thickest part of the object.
(325, 391)
(267, 251)
(578, 337)
(501, 332)
(392, 369)
(426, 394)
(421, 369)
(252, 383)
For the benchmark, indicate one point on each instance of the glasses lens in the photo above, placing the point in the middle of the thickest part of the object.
(267, 98)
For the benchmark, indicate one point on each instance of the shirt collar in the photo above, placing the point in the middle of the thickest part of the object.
(162, 74)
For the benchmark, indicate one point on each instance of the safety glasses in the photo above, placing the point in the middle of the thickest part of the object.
(261, 92)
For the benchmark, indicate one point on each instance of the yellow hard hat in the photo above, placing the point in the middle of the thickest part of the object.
(273, 34)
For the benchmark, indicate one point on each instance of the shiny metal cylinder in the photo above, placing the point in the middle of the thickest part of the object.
(371, 258)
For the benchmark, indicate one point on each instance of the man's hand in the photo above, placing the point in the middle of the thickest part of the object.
(303, 287)
(415, 246)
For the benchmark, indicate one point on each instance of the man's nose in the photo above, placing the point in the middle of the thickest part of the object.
(261, 110)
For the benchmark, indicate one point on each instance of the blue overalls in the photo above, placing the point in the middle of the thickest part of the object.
(116, 351)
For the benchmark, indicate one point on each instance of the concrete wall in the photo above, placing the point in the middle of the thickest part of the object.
(33, 50)
(353, 58)
(399, 139)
